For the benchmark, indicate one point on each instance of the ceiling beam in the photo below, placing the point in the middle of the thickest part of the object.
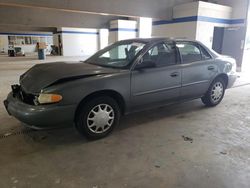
(128, 8)
(17, 28)
(51, 18)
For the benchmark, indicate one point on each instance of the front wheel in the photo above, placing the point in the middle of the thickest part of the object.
(215, 93)
(98, 117)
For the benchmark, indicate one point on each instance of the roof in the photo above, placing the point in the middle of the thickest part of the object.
(146, 40)
(156, 39)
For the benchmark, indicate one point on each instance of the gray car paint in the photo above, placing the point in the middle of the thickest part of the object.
(139, 89)
(54, 72)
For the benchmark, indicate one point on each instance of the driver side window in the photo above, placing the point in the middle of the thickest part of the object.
(163, 54)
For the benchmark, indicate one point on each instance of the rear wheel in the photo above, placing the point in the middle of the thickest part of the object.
(98, 117)
(215, 93)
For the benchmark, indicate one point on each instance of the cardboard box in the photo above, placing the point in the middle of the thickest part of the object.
(42, 45)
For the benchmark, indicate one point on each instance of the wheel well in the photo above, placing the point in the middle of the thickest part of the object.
(224, 77)
(113, 94)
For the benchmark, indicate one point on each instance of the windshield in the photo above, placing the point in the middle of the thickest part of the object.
(118, 55)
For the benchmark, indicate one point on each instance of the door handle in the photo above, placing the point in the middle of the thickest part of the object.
(174, 74)
(211, 68)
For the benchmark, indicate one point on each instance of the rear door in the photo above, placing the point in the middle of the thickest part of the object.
(159, 84)
(198, 69)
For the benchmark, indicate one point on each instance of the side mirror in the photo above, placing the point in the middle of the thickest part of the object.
(145, 64)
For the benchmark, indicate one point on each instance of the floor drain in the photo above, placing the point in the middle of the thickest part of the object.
(15, 133)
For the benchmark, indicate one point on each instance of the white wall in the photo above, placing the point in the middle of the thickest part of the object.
(182, 29)
(201, 30)
(113, 37)
(145, 27)
(205, 30)
(176, 30)
(127, 24)
(126, 35)
(214, 10)
(103, 38)
(4, 43)
(79, 41)
(122, 29)
(27, 48)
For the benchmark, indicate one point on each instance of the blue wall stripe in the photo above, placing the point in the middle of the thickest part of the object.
(27, 34)
(220, 20)
(176, 20)
(123, 29)
(79, 32)
(237, 21)
(199, 18)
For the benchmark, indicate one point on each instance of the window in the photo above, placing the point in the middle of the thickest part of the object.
(190, 52)
(205, 55)
(35, 40)
(43, 39)
(27, 40)
(12, 40)
(119, 54)
(20, 40)
(162, 55)
(127, 51)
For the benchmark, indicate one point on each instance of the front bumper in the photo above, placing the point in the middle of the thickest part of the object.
(40, 117)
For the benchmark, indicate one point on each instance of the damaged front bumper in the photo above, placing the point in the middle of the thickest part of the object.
(41, 116)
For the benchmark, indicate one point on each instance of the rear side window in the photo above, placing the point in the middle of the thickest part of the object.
(190, 52)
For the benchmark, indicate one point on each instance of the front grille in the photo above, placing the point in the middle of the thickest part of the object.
(19, 93)
(27, 98)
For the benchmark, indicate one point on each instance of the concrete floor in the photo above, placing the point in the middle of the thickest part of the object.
(185, 145)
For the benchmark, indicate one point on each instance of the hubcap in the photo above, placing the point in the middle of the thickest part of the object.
(217, 92)
(100, 118)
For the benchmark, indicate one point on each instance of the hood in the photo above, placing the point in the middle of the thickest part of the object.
(42, 75)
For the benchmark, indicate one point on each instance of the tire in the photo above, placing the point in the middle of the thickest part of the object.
(215, 93)
(98, 117)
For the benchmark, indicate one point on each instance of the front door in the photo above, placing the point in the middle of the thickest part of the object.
(160, 83)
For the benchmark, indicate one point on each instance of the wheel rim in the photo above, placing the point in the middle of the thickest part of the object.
(217, 92)
(100, 118)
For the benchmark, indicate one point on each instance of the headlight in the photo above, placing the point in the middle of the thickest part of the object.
(45, 98)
